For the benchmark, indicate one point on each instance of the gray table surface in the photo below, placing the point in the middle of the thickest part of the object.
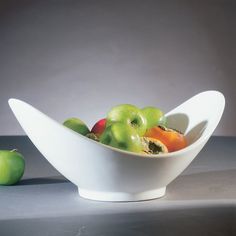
(209, 181)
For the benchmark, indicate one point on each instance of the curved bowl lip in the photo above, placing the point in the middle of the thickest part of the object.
(189, 148)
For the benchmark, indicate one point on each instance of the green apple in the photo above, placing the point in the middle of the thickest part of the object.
(153, 115)
(77, 125)
(129, 115)
(12, 166)
(162, 121)
(122, 136)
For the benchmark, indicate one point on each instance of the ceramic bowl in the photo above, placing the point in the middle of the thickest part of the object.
(108, 174)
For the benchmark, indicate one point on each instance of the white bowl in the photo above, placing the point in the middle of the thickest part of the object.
(109, 174)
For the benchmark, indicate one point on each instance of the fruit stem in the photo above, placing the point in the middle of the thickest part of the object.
(14, 150)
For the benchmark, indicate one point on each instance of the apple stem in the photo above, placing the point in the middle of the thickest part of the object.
(14, 150)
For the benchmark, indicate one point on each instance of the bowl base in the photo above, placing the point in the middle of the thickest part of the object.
(121, 196)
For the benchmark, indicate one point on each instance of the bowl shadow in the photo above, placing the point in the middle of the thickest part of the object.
(196, 132)
(42, 180)
(179, 121)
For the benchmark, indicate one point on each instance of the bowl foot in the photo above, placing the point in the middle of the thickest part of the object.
(121, 196)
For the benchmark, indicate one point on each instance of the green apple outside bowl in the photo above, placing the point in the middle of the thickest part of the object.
(12, 166)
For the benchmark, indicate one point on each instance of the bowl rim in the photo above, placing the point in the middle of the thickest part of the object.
(188, 148)
(183, 151)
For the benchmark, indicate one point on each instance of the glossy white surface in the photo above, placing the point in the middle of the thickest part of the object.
(108, 174)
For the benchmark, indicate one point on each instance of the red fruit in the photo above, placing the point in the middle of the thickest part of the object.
(99, 127)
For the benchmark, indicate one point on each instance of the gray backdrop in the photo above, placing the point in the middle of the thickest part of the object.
(79, 58)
